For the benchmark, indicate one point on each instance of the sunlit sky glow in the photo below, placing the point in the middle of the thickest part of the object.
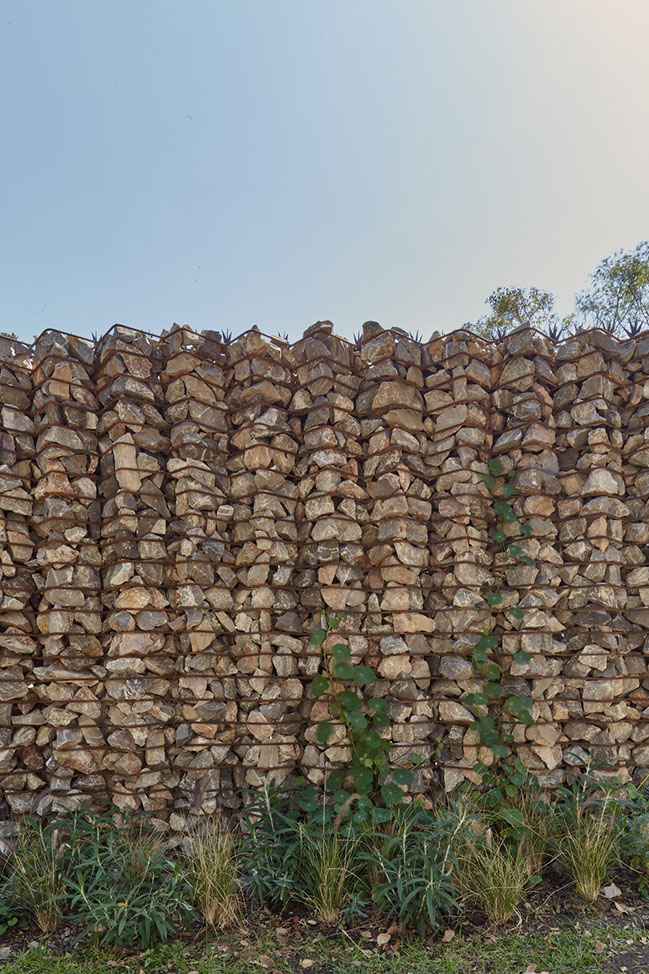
(228, 163)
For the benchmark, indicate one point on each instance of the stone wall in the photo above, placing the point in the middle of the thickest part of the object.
(175, 513)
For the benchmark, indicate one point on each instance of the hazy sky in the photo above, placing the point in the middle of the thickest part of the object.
(228, 163)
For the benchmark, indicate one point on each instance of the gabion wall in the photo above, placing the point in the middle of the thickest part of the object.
(175, 514)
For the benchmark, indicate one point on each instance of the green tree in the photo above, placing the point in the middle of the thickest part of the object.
(518, 307)
(618, 297)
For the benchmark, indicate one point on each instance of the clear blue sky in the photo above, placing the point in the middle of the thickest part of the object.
(228, 163)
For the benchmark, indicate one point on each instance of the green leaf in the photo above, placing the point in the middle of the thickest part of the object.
(493, 690)
(357, 721)
(527, 560)
(489, 481)
(493, 671)
(521, 657)
(341, 796)
(518, 703)
(362, 778)
(382, 815)
(360, 816)
(509, 490)
(479, 699)
(377, 705)
(514, 549)
(402, 776)
(526, 529)
(318, 636)
(516, 612)
(487, 642)
(480, 656)
(391, 794)
(348, 700)
(364, 675)
(323, 732)
(340, 651)
(417, 759)
(494, 598)
(511, 474)
(513, 816)
(502, 508)
(381, 719)
(342, 670)
(319, 685)
(498, 536)
(483, 725)
(335, 780)
(495, 466)
(500, 750)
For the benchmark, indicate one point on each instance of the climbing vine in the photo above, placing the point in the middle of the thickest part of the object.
(377, 787)
(494, 707)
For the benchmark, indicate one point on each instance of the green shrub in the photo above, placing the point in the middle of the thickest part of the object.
(414, 865)
(269, 864)
(123, 886)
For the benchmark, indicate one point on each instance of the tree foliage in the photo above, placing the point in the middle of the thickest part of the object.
(618, 297)
(518, 307)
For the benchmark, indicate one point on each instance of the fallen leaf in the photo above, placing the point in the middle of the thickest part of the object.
(610, 892)
(265, 960)
(622, 907)
(599, 946)
(448, 936)
(307, 962)
(383, 938)
(5, 952)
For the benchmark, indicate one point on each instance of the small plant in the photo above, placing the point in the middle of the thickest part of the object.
(123, 887)
(495, 876)
(212, 864)
(416, 865)
(269, 864)
(329, 872)
(589, 834)
(39, 865)
(357, 340)
(13, 913)
(226, 337)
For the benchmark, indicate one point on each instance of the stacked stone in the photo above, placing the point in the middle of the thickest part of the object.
(458, 378)
(141, 666)
(69, 680)
(21, 761)
(332, 515)
(203, 577)
(601, 670)
(390, 405)
(263, 446)
(634, 361)
(524, 439)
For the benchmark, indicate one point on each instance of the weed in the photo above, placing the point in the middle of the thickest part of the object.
(39, 873)
(212, 862)
(495, 876)
(330, 873)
